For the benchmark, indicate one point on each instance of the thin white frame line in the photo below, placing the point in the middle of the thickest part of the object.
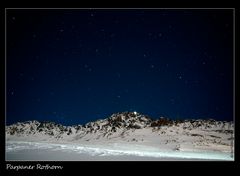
(5, 41)
(91, 8)
(234, 83)
(121, 9)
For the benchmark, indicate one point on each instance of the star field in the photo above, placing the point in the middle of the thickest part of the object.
(75, 66)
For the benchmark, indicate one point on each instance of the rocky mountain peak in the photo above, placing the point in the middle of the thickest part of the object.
(117, 122)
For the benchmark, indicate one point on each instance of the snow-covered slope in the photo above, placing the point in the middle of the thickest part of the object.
(130, 130)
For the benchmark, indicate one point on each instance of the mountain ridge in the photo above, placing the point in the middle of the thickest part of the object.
(118, 121)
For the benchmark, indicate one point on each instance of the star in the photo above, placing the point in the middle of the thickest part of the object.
(172, 100)
(118, 75)
(196, 81)
(112, 35)
(155, 36)
(38, 99)
(221, 74)
(116, 22)
(180, 76)
(226, 25)
(174, 45)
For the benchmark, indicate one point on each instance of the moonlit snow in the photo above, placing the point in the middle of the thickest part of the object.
(31, 151)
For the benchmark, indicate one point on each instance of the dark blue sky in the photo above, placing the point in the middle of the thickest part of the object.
(75, 66)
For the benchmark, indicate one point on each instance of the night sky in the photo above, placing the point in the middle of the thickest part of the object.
(78, 65)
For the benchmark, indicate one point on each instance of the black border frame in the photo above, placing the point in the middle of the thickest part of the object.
(120, 167)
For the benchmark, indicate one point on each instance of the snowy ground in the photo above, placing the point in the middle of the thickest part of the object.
(42, 151)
